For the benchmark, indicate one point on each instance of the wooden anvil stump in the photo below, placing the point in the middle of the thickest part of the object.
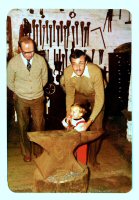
(57, 169)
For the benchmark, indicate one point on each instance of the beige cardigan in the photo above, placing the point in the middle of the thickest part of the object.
(27, 85)
(84, 85)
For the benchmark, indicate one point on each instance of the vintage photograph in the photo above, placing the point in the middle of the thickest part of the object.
(69, 100)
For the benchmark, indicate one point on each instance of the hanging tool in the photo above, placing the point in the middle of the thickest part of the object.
(40, 24)
(82, 31)
(66, 56)
(50, 34)
(99, 28)
(76, 25)
(120, 11)
(63, 57)
(54, 26)
(109, 18)
(61, 28)
(33, 26)
(65, 42)
(43, 27)
(68, 25)
(47, 55)
(57, 58)
(93, 52)
(100, 55)
(88, 31)
(37, 26)
(57, 28)
(73, 43)
(46, 24)
(59, 54)
(85, 34)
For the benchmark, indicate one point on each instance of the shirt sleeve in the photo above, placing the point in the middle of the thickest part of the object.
(70, 92)
(99, 94)
(10, 76)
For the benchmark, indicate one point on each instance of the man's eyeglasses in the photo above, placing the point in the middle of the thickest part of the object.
(26, 53)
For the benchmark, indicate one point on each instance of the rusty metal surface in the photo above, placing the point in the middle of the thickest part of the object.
(57, 165)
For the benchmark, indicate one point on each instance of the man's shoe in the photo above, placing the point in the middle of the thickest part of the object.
(27, 158)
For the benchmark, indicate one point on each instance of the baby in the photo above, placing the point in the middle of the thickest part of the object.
(76, 118)
(76, 122)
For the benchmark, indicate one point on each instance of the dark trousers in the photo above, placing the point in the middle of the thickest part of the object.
(94, 146)
(29, 110)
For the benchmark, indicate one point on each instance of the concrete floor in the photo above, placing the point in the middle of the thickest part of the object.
(115, 174)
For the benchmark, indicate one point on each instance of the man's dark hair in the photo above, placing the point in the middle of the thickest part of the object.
(77, 54)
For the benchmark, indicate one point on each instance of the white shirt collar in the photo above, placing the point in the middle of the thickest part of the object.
(85, 73)
(25, 60)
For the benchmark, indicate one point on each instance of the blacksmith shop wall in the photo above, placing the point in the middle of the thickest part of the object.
(107, 41)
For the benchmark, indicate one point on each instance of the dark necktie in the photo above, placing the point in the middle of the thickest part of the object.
(28, 65)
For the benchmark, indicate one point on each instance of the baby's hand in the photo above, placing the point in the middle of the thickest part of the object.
(70, 127)
(81, 127)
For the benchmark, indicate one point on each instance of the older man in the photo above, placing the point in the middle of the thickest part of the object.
(83, 84)
(27, 75)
